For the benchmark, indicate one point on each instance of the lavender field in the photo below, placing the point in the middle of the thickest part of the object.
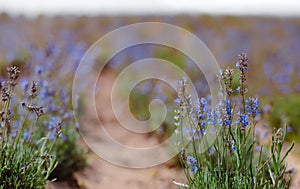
(38, 111)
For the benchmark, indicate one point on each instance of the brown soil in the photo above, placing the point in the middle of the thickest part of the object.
(293, 161)
(104, 175)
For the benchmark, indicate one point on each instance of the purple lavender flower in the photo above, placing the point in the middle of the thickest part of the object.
(228, 109)
(252, 106)
(39, 70)
(243, 120)
(233, 148)
(26, 136)
(191, 161)
(221, 72)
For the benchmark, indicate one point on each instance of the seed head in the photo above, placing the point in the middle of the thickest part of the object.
(183, 155)
(13, 73)
(5, 94)
(33, 89)
(58, 130)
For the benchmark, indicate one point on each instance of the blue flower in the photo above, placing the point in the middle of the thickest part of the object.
(266, 134)
(252, 106)
(238, 64)
(203, 101)
(227, 122)
(214, 121)
(26, 136)
(211, 150)
(193, 170)
(256, 102)
(191, 161)
(39, 70)
(257, 148)
(202, 105)
(228, 109)
(52, 134)
(293, 170)
(233, 148)
(212, 117)
(24, 84)
(14, 134)
(244, 120)
(203, 131)
(289, 129)
(203, 123)
(52, 127)
(177, 100)
(221, 72)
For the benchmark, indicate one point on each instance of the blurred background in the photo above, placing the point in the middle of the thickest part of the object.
(56, 34)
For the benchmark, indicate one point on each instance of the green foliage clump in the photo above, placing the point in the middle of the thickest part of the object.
(70, 156)
(24, 161)
(220, 147)
(24, 166)
(55, 97)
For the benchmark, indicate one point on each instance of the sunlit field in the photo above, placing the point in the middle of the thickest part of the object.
(46, 131)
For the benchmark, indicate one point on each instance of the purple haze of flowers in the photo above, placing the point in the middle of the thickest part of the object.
(268, 69)
(24, 84)
(52, 127)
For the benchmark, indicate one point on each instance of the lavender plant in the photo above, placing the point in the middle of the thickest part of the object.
(24, 161)
(236, 159)
(44, 66)
(70, 155)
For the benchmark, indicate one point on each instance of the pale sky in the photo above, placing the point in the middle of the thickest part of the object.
(94, 7)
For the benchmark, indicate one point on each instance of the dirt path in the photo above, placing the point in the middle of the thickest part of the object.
(293, 161)
(101, 174)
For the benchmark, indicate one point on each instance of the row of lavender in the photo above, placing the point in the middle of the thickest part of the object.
(274, 42)
(58, 43)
